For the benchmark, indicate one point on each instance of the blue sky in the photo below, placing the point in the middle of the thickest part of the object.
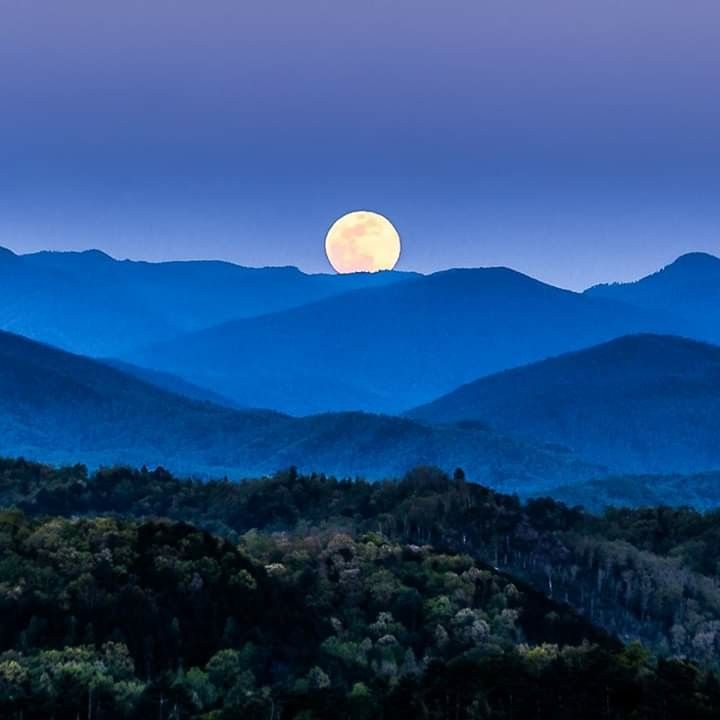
(575, 141)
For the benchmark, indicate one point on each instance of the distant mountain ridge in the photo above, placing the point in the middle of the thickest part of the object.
(63, 408)
(688, 289)
(700, 491)
(643, 403)
(386, 349)
(305, 344)
(90, 303)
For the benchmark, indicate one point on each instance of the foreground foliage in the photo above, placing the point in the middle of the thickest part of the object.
(110, 618)
(644, 574)
(318, 598)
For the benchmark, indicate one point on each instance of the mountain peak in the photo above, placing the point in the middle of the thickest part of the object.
(641, 403)
(688, 273)
(692, 265)
(644, 340)
(496, 276)
(694, 261)
(687, 291)
(93, 255)
(70, 257)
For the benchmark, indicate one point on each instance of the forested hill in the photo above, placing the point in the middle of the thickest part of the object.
(641, 404)
(646, 574)
(55, 407)
(161, 620)
(340, 617)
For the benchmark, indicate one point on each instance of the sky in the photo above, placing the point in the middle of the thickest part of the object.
(575, 141)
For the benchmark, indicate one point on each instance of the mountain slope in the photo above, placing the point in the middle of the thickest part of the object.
(642, 403)
(688, 289)
(700, 491)
(387, 349)
(170, 383)
(90, 303)
(59, 407)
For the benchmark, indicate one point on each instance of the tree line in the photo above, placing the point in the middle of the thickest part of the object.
(304, 596)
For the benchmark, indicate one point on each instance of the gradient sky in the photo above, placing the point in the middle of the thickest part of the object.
(576, 141)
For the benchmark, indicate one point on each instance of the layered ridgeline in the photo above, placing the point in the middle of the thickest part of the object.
(377, 600)
(700, 491)
(90, 303)
(390, 348)
(688, 289)
(643, 403)
(297, 343)
(57, 407)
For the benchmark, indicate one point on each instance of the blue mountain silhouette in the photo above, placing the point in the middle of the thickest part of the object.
(643, 403)
(386, 349)
(88, 302)
(60, 407)
(687, 289)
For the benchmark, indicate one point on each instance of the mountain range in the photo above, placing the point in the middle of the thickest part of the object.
(700, 491)
(525, 385)
(687, 290)
(60, 408)
(386, 349)
(280, 339)
(643, 403)
(90, 303)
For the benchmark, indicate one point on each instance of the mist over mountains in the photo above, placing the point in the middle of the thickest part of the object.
(525, 385)
(61, 408)
(643, 403)
(387, 349)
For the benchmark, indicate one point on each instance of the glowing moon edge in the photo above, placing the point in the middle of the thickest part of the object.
(362, 241)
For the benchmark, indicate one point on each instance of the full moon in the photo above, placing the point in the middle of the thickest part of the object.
(362, 241)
